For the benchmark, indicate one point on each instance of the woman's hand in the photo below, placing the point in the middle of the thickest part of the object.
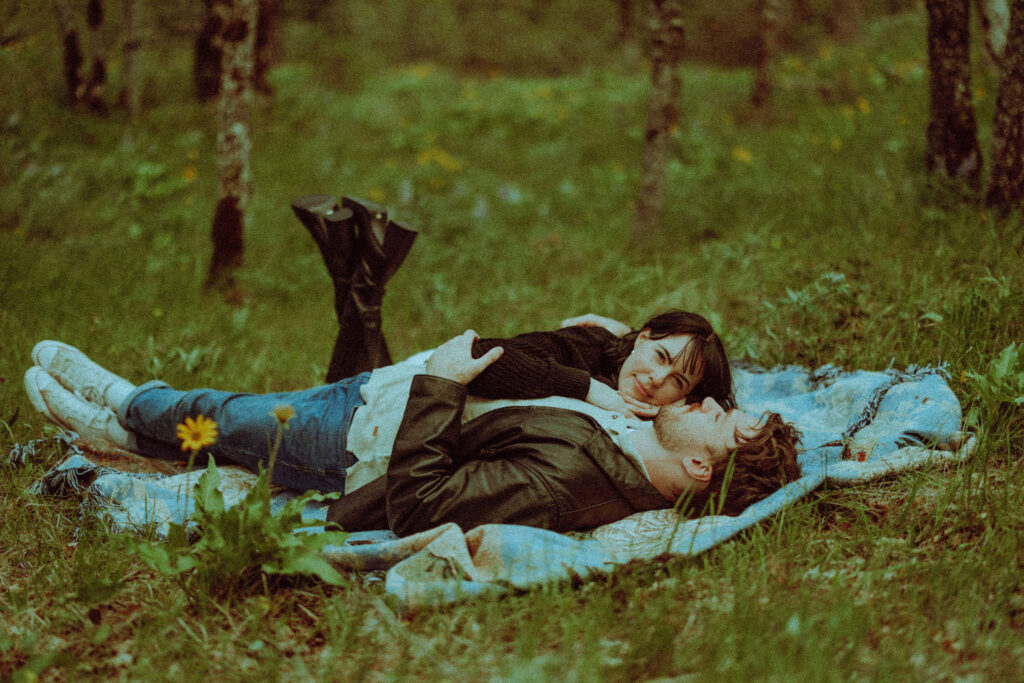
(603, 396)
(591, 320)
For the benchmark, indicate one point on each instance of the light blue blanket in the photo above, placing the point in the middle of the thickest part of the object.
(857, 426)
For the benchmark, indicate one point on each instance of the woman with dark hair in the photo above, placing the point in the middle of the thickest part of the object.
(673, 356)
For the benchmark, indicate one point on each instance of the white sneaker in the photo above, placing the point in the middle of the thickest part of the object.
(79, 374)
(60, 406)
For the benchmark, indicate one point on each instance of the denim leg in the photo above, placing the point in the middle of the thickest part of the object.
(312, 453)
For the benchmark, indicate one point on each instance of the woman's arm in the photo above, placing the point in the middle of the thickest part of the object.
(539, 364)
(617, 328)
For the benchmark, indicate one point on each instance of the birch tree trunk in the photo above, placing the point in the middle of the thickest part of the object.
(1006, 186)
(952, 132)
(764, 80)
(130, 95)
(662, 114)
(235, 39)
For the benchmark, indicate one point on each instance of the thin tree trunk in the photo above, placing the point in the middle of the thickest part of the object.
(130, 95)
(72, 58)
(843, 22)
(235, 40)
(268, 43)
(96, 87)
(952, 131)
(1006, 187)
(625, 20)
(662, 115)
(764, 81)
(207, 56)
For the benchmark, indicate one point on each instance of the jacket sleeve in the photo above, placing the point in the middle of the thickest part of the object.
(540, 364)
(430, 483)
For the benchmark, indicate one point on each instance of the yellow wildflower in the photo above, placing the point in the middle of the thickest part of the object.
(193, 154)
(197, 433)
(189, 173)
(742, 154)
(835, 143)
(439, 157)
(283, 413)
(979, 93)
(377, 195)
(863, 105)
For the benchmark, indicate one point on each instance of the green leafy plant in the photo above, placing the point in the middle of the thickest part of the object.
(1003, 381)
(228, 551)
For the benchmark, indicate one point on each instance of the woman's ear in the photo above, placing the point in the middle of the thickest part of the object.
(644, 335)
(698, 467)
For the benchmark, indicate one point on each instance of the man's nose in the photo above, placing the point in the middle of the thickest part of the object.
(710, 405)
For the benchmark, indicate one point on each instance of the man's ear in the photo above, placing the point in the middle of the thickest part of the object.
(698, 467)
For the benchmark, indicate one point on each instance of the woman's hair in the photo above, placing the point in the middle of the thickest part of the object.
(761, 465)
(706, 345)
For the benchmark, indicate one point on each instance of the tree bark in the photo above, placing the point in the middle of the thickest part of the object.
(625, 20)
(96, 87)
(843, 22)
(72, 59)
(207, 56)
(130, 95)
(764, 80)
(953, 149)
(268, 43)
(1006, 186)
(994, 19)
(236, 40)
(662, 114)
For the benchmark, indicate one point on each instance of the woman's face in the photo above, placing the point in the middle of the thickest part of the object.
(657, 371)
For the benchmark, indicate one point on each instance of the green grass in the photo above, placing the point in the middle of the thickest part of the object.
(811, 236)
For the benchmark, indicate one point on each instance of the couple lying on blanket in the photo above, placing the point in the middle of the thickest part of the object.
(669, 432)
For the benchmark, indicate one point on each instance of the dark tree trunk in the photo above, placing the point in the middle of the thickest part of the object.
(952, 132)
(267, 43)
(207, 55)
(768, 35)
(1006, 187)
(96, 87)
(843, 22)
(235, 40)
(130, 95)
(72, 57)
(625, 20)
(662, 114)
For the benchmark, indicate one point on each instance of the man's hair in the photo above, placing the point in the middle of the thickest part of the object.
(760, 465)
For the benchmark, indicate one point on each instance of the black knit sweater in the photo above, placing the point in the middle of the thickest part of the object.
(557, 363)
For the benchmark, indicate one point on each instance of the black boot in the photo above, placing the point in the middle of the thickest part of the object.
(334, 231)
(383, 245)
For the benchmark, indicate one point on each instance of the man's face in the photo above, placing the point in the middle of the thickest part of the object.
(705, 427)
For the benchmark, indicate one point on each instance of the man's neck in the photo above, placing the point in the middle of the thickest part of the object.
(664, 468)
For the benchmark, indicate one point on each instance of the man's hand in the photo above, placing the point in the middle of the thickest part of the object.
(603, 396)
(591, 320)
(454, 359)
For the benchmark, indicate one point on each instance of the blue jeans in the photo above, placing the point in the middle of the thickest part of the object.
(312, 453)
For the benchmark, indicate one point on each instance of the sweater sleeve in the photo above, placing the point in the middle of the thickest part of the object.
(540, 364)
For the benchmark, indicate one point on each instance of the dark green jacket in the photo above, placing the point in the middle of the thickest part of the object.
(538, 466)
